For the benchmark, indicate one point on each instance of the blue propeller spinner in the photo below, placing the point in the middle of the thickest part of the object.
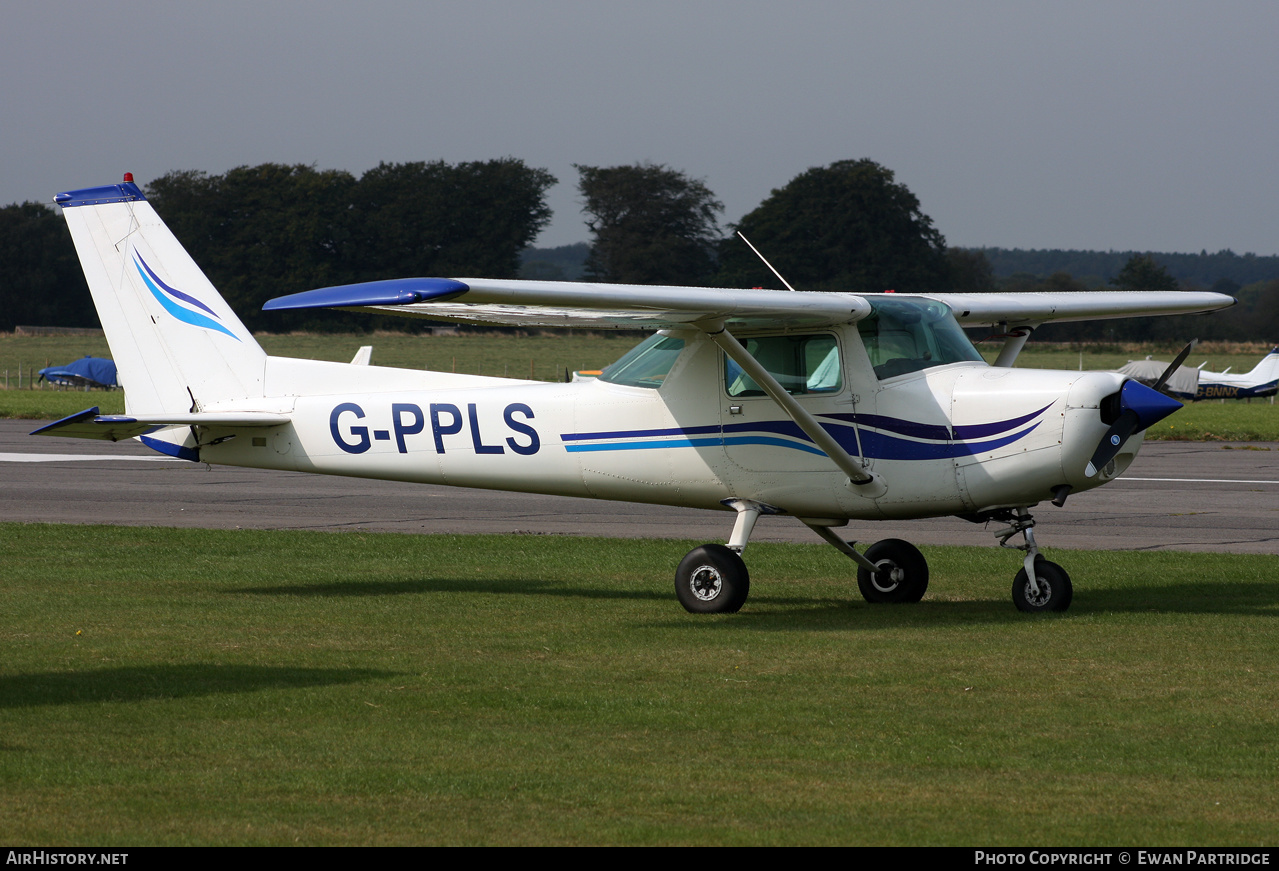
(1140, 407)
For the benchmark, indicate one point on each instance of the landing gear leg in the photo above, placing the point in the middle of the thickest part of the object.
(891, 571)
(712, 579)
(1040, 585)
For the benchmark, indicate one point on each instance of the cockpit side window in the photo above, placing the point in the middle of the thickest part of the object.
(647, 364)
(907, 335)
(801, 364)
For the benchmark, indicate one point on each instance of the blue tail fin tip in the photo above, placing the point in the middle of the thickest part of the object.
(125, 192)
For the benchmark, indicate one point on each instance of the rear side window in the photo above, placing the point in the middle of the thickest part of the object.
(801, 364)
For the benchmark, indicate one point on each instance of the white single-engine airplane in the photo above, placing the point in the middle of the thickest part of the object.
(1189, 384)
(828, 407)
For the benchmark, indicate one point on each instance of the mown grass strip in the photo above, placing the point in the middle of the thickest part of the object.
(255, 687)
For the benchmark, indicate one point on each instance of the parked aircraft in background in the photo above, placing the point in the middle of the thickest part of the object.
(1193, 384)
(824, 407)
(86, 372)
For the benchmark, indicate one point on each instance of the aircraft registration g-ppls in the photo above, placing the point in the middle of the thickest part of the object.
(826, 407)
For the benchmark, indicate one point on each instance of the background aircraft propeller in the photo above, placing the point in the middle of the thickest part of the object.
(1175, 365)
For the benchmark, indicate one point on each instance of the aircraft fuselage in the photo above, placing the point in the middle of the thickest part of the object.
(953, 439)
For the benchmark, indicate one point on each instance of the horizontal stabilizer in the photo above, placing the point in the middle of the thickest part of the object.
(89, 424)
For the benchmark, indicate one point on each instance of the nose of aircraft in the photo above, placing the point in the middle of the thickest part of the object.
(1139, 407)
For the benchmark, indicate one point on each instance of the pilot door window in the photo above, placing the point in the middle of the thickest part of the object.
(801, 364)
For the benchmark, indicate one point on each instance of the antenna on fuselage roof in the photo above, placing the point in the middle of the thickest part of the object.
(766, 263)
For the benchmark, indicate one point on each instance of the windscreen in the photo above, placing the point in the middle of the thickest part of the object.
(647, 364)
(904, 335)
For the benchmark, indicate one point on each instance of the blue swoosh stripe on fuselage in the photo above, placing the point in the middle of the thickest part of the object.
(187, 316)
(874, 445)
(695, 443)
(881, 447)
(936, 432)
(869, 422)
(640, 433)
(644, 446)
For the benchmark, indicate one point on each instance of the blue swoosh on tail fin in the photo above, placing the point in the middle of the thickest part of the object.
(162, 292)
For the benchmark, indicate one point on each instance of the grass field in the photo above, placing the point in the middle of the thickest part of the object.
(247, 687)
(547, 357)
(540, 357)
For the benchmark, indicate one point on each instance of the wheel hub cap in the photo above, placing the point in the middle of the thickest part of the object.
(1041, 598)
(706, 583)
(888, 576)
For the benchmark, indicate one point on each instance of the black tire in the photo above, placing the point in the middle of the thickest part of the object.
(712, 580)
(902, 575)
(1055, 590)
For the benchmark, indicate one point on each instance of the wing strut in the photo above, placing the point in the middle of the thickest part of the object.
(868, 484)
(1014, 341)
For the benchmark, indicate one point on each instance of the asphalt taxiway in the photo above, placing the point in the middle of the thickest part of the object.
(1192, 496)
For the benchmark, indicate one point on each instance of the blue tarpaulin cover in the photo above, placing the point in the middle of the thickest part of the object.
(93, 371)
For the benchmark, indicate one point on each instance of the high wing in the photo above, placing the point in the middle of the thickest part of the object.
(514, 302)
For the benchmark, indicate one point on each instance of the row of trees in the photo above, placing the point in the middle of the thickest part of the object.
(265, 231)
(40, 278)
(1093, 267)
(851, 226)
(848, 226)
(1255, 317)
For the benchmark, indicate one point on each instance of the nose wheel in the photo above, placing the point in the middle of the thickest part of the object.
(1040, 585)
(1052, 590)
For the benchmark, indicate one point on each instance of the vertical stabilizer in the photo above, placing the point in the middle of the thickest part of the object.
(177, 345)
(1267, 370)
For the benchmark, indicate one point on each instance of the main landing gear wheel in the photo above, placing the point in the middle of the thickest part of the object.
(1055, 590)
(712, 580)
(902, 575)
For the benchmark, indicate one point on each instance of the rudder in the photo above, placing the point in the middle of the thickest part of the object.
(177, 345)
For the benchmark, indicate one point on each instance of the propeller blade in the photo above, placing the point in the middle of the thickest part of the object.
(1140, 407)
(1112, 441)
(1175, 365)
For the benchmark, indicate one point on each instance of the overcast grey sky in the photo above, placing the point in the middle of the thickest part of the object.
(1103, 125)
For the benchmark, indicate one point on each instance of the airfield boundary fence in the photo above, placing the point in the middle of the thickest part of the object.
(23, 330)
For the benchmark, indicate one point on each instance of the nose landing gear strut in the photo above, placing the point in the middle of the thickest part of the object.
(1040, 585)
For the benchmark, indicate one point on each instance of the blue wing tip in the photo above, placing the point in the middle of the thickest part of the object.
(396, 291)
